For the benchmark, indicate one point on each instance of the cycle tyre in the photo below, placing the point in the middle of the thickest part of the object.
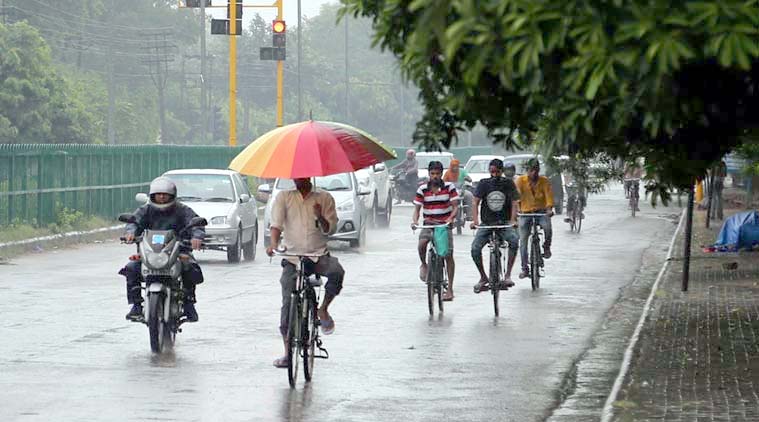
(633, 205)
(535, 265)
(495, 279)
(310, 334)
(579, 221)
(293, 346)
(431, 283)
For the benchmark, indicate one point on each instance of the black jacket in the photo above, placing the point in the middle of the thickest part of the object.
(176, 218)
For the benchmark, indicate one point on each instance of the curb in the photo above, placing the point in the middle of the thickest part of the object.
(608, 409)
(59, 236)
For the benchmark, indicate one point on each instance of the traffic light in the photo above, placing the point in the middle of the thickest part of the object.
(279, 30)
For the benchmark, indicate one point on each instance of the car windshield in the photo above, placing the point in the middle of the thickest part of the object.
(203, 187)
(335, 182)
(478, 166)
(424, 160)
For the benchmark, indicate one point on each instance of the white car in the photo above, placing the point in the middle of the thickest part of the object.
(478, 167)
(221, 197)
(351, 213)
(424, 159)
(379, 202)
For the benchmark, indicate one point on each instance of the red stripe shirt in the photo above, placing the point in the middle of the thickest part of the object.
(436, 206)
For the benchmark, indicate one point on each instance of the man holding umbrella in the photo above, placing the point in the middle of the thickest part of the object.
(307, 217)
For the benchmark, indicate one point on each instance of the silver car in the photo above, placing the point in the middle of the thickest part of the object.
(352, 215)
(222, 197)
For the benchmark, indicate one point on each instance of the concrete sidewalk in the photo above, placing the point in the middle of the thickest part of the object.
(697, 358)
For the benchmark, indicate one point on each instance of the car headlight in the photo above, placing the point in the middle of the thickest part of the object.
(347, 206)
(220, 220)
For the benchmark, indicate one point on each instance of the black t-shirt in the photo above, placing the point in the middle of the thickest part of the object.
(496, 194)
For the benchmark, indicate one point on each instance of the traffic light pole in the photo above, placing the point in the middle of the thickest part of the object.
(233, 73)
(280, 74)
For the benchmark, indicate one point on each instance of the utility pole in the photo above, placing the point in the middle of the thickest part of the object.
(233, 73)
(160, 55)
(347, 113)
(280, 76)
(300, 53)
(111, 89)
(688, 235)
(203, 106)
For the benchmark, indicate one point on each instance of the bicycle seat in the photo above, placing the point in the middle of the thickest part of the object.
(314, 280)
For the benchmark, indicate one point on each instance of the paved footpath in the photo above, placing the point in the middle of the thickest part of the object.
(697, 357)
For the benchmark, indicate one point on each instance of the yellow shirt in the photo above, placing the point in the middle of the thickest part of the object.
(533, 198)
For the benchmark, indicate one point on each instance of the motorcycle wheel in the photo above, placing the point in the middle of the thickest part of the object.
(156, 325)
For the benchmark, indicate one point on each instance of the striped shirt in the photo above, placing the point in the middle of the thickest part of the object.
(436, 207)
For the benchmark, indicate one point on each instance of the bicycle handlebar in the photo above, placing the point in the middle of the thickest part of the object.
(414, 227)
(497, 227)
(634, 179)
(532, 214)
(283, 252)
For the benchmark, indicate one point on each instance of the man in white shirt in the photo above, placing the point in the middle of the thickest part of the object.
(307, 217)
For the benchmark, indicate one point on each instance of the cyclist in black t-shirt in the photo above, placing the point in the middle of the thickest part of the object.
(498, 196)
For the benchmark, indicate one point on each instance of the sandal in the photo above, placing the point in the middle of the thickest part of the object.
(448, 296)
(282, 362)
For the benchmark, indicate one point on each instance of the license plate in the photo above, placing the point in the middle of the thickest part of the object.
(148, 271)
(159, 239)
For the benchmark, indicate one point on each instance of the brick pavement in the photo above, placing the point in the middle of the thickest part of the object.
(697, 358)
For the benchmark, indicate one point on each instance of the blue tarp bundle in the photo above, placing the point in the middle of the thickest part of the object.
(730, 235)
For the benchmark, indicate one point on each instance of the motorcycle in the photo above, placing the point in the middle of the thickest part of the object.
(463, 210)
(159, 251)
(401, 191)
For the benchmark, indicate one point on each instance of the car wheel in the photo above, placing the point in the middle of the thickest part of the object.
(249, 249)
(383, 218)
(361, 241)
(234, 251)
(374, 219)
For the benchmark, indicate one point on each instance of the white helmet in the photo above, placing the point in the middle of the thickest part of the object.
(162, 185)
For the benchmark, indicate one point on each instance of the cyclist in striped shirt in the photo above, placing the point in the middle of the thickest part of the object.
(438, 202)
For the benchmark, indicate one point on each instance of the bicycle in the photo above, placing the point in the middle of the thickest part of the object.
(497, 263)
(634, 187)
(437, 277)
(576, 216)
(536, 257)
(302, 322)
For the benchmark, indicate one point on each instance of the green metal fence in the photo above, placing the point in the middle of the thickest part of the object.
(38, 181)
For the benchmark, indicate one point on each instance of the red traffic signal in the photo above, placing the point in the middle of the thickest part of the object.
(278, 27)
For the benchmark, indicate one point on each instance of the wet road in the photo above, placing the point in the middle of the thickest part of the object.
(68, 354)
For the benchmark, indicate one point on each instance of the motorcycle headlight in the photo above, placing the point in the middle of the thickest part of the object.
(347, 206)
(220, 220)
(158, 260)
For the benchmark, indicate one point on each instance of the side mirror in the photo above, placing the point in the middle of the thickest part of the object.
(362, 191)
(379, 167)
(265, 188)
(127, 218)
(198, 222)
(244, 198)
(142, 198)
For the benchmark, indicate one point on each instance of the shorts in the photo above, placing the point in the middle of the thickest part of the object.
(426, 235)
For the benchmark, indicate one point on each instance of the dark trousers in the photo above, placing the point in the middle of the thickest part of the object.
(191, 276)
(327, 266)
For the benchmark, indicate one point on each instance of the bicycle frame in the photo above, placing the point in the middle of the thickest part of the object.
(535, 258)
(437, 269)
(304, 336)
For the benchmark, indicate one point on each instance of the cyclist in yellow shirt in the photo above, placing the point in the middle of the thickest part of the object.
(536, 196)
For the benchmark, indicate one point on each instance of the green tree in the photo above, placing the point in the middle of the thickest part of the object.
(674, 81)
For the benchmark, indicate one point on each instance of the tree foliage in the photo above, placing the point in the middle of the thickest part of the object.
(674, 81)
(36, 103)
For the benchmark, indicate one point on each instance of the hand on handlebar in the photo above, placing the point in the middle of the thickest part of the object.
(128, 237)
(549, 213)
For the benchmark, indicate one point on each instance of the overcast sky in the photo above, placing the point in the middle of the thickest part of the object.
(308, 8)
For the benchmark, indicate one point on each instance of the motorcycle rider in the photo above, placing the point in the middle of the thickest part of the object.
(163, 212)
(458, 176)
(409, 177)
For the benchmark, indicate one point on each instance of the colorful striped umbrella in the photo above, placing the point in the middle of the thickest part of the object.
(309, 149)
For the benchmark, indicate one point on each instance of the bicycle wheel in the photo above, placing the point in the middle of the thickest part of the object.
(579, 221)
(535, 263)
(293, 339)
(440, 288)
(310, 334)
(431, 262)
(633, 204)
(495, 278)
